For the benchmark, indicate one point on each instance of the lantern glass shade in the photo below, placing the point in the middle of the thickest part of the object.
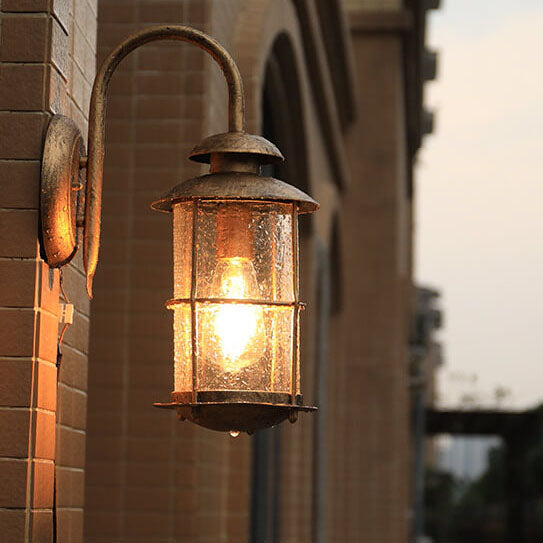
(235, 296)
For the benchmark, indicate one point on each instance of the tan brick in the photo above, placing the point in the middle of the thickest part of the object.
(152, 325)
(161, 131)
(21, 86)
(116, 12)
(85, 19)
(71, 450)
(151, 300)
(105, 423)
(84, 55)
(49, 288)
(139, 498)
(42, 527)
(194, 110)
(160, 12)
(142, 399)
(18, 233)
(70, 525)
(195, 59)
(57, 93)
(19, 180)
(24, 38)
(74, 286)
(47, 329)
(106, 373)
(19, 276)
(27, 6)
(17, 332)
(43, 474)
(149, 375)
(15, 382)
(119, 131)
(147, 449)
(149, 107)
(164, 59)
(151, 424)
(110, 35)
(104, 449)
(118, 156)
(13, 488)
(70, 487)
(106, 498)
(156, 474)
(73, 369)
(44, 431)
(77, 334)
(46, 397)
(105, 524)
(104, 473)
(112, 300)
(152, 179)
(160, 83)
(12, 524)
(199, 12)
(147, 525)
(62, 10)
(152, 227)
(14, 432)
(60, 48)
(80, 88)
(21, 135)
(145, 350)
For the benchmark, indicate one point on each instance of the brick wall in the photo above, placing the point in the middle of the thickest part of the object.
(150, 477)
(369, 449)
(147, 476)
(46, 66)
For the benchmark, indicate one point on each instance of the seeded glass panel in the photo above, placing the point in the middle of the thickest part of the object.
(182, 249)
(182, 348)
(243, 252)
(244, 347)
(182, 257)
(245, 239)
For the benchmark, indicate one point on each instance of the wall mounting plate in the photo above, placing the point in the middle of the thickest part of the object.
(60, 184)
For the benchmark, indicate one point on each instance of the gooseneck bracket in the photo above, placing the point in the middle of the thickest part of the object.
(64, 152)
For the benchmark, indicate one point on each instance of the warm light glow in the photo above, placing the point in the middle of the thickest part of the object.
(238, 327)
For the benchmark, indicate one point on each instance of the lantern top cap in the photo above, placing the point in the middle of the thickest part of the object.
(257, 147)
(235, 186)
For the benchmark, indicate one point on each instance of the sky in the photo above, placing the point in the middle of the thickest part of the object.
(479, 198)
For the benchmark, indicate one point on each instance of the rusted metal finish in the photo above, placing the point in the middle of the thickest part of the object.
(59, 190)
(239, 143)
(295, 287)
(178, 301)
(240, 396)
(235, 159)
(236, 186)
(236, 119)
(237, 410)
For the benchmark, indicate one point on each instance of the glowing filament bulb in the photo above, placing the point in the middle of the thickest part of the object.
(238, 327)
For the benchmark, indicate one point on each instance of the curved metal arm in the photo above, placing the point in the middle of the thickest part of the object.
(95, 161)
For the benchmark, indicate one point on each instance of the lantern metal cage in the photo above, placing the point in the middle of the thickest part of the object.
(236, 295)
(236, 305)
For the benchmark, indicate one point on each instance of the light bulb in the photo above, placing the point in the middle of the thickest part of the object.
(239, 328)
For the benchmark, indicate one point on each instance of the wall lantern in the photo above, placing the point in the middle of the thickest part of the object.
(235, 235)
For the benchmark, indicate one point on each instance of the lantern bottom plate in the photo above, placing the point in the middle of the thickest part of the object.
(236, 416)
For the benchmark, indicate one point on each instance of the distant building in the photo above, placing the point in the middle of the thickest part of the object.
(425, 358)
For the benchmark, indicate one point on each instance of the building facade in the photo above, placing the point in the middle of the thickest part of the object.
(84, 455)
